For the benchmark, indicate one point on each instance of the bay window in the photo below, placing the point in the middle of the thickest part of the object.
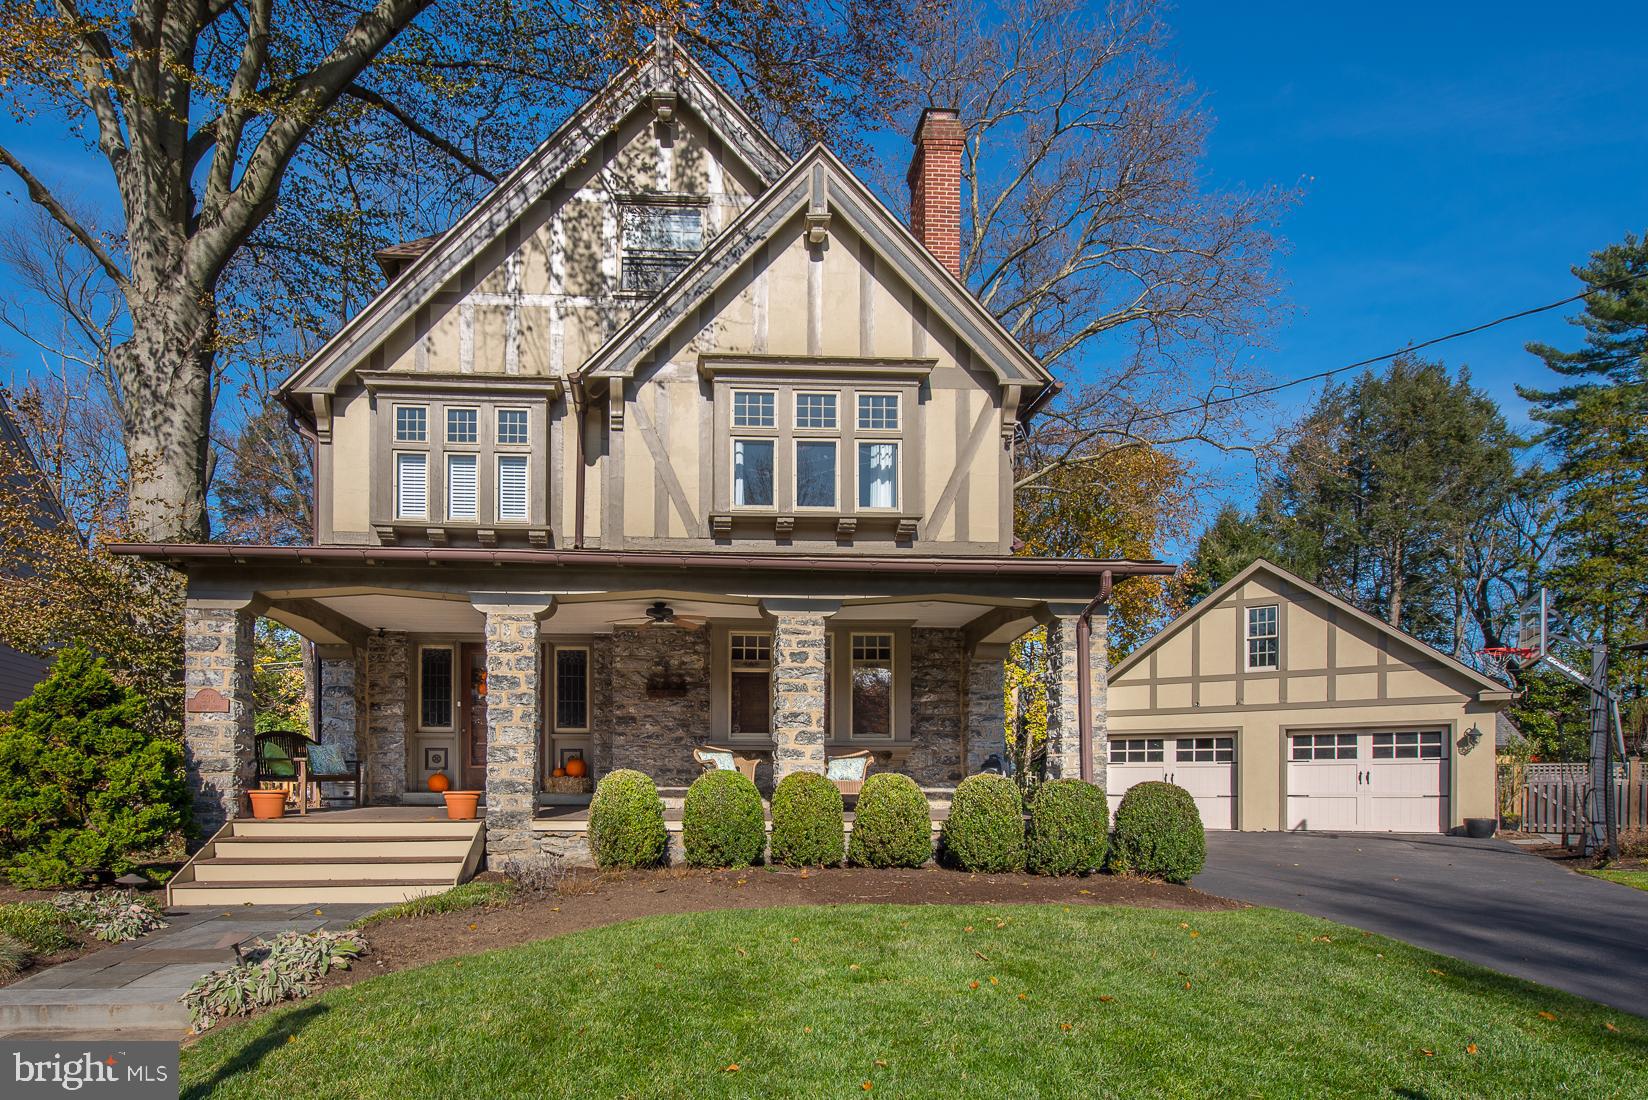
(461, 500)
(815, 470)
(411, 485)
(513, 497)
(878, 475)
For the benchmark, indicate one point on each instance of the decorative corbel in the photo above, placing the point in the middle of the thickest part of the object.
(486, 536)
(437, 536)
(386, 533)
(846, 527)
(663, 107)
(818, 228)
(721, 525)
(784, 526)
(1010, 413)
(907, 527)
(322, 405)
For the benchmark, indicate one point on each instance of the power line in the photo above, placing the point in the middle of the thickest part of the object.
(1319, 375)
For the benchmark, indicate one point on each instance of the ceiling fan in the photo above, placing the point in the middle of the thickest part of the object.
(659, 613)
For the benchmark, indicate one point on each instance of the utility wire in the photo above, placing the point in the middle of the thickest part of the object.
(1319, 375)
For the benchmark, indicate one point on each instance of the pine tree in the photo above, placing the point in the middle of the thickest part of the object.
(1231, 543)
(1596, 431)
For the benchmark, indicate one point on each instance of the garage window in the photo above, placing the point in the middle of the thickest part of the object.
(1205, 750)
(1263, 641)
(1136, 750)
(1324, 746)
(1426, 745)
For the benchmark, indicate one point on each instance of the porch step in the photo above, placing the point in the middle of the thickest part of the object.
(329, 858)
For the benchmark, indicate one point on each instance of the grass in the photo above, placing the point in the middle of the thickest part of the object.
(469, 895)
(1637, 879)
(1031, 1001)
(42, 928)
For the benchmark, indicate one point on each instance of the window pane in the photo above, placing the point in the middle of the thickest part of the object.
(751, 648)
(460, 487)
(872, 700)
(411, 424)
(1262, 653)
(878, 411)
(412, 486)
(751, 702)
(461, 425)
(878, 475)
(512, 488)
(815, 475)
(435, 688)
(512, 426)
(752, 472)
(753, 409)
(678, 228)
(815, 410)
(571, 689)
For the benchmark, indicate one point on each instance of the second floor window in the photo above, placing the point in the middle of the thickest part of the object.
(462, 425)
(878, 475)
(411, 424)
(512, 427)
(657, 242)
(752, 473)
(462, 501)
(1263, 639)
(411, 486)
(513, 504)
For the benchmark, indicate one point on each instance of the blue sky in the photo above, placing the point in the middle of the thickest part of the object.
(1457, 160)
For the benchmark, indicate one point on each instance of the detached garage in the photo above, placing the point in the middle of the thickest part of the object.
(1279, 706)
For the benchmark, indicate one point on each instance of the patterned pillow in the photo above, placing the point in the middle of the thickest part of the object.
(326, 760)
(721, 760)
(847, 768)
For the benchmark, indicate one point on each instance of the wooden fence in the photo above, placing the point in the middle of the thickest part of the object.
(1553, 798)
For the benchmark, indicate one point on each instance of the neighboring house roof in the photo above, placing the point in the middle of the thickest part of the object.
(1505, 730)
(824, 188)
(663, 69)
(12, 437)
(1488, 689)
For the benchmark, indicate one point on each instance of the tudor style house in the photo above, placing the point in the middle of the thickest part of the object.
(670, 440)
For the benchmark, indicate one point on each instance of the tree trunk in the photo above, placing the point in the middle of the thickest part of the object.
(165, 375)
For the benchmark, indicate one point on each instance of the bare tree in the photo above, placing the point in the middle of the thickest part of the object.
(1088, 229)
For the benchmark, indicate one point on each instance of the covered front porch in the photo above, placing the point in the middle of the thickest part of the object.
(511, 672)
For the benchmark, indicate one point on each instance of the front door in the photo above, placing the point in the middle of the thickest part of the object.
(474, 733)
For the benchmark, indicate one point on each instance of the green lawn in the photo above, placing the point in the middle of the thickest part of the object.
(1033, 1001)
(1638, 879)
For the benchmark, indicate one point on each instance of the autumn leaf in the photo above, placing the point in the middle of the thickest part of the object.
(1089, 892)
(969, 928)
(1184, 924)
(1547, 1015)
(733, 1068)
(852, 966)
(795, 939)
(1470, 1048)
(1438, 973)
(1610, 1027)
(994, 982)
(881, 1063)
(866, 1086)
(1194, 933)
(1106, 998)
(473, 926)
(1024, 996)
(1427, 1052)
(1064, 1027)
(1187, 985)
(807, 1030)
(973, 984)
(982, 955)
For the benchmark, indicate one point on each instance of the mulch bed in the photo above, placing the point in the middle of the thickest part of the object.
(590, 899)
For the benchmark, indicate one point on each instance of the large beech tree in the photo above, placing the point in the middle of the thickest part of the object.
(238, 136)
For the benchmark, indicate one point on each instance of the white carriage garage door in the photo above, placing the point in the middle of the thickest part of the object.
(1203, 765)
(1393, 781)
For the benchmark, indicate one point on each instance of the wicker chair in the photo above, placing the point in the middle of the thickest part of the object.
(847, 771)
(721, 758)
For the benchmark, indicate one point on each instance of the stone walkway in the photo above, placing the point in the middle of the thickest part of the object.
(132, 989)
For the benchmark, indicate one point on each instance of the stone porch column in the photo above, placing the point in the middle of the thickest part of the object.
(342, 703)
(1063, 718)
(387, 687)
(218, 745)
(512, 720)
(986, 705)
(798, 679)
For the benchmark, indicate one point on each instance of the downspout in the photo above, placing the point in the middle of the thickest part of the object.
(1084, 677)
(576, 393)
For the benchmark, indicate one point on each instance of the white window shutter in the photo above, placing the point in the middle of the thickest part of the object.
(460, 487)
(512, 488)
(411, 486)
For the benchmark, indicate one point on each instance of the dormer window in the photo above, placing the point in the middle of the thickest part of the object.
(657, 241)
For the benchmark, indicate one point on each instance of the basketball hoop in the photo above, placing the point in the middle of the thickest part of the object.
(1505, 660)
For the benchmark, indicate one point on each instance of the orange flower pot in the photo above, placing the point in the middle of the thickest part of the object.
(462, 805)
(268, 805)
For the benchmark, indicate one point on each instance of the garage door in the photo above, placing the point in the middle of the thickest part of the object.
(1204, 766)
(1375, 781)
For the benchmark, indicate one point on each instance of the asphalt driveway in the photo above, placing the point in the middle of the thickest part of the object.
(1479, 900)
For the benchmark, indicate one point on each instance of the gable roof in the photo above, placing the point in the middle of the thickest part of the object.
(820, 184)
(663, 68)
(1488, 689)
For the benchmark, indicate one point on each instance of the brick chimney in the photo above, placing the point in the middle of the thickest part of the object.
(935, 184)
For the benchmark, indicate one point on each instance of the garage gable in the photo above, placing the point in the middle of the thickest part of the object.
(1268, 638)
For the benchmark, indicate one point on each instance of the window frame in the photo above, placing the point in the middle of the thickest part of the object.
(859, 427)
(395, 487)
(747, 665)
(890, 662)
(1128, 747)
(498, 439)
(475, 464)
(796, 444)
(395, 410)
(732, 471)
(626, 251)
(446, 417)
(832, 431)
(1274, 637)
(498, 460)
(554, 708)
(452, 688)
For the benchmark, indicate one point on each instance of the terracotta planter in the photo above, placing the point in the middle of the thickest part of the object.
(462, 805)
(268, 805)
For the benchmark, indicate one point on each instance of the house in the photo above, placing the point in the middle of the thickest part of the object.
(670, 440)
(19, 672)
(1280, 706)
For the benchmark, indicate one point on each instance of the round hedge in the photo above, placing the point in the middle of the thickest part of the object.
(985, 829)
(722, 823)
(892, 824)
(1069, 828)
(807, 821)
(626, 821)
(1158, 833)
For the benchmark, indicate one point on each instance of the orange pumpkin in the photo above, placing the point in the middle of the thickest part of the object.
(576, 767)
(558, 772)
(439, 783)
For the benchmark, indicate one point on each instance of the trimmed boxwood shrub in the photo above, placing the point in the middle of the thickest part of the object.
(1158, 833)
(807, 821)
(626, 821)
(1069, 828)
(985, 829)
(892, 824)
(722, 823)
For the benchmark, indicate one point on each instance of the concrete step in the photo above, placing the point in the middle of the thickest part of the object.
(249, 891)
(311, 869)
(431, 846)
(326, 825)
(48, 1013)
